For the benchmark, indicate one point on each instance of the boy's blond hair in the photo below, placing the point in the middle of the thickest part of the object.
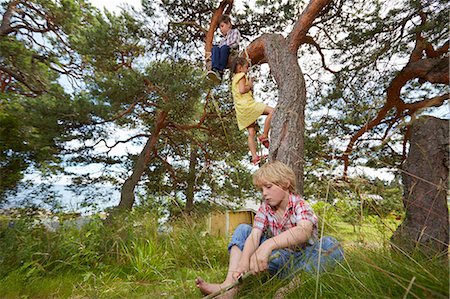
(277, 173)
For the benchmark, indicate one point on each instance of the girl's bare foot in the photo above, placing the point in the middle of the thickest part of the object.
(264, 140)
(256, 160)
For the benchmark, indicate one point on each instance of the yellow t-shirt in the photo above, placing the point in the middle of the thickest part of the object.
(247, 110)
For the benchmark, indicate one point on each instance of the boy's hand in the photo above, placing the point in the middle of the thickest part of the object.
(240, 271)
(259, 261)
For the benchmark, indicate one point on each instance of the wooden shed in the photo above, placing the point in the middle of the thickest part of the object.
(223, 223)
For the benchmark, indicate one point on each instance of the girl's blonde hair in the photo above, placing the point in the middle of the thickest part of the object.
(277, 173)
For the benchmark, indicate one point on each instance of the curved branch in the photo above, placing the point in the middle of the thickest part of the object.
(309, 40)
(256, 48)
(110, 147)
(20, 78)
(433, 70)
(433, 102)
(304, 22)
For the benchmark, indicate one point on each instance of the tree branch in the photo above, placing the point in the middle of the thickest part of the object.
(309, 40)
(432, 102)
(20, 78)
(304, 22)
(433, 70)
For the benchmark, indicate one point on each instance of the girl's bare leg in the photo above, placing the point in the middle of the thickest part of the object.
(251, 140)
(267, 111)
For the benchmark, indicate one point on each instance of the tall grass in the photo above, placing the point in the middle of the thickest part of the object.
(133, 258)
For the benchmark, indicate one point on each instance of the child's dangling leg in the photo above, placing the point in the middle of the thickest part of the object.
(264, 138)
(252, 144)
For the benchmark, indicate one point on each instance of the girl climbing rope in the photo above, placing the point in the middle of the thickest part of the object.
(247, 109)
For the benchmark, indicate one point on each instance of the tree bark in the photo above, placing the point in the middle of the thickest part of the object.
(288, 123)
(425, 177)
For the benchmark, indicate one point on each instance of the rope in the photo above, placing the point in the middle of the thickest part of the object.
(216, 106)
(249, 61)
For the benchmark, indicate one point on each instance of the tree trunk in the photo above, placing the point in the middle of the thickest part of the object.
(191, 180)
(127, 192)
(425, 176)
(288, 123)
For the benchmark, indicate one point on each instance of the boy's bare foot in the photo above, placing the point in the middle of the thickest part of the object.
(210, 288)
(205, 287)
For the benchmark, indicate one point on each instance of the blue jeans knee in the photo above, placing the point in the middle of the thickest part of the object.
(327, 252)
(240, 234)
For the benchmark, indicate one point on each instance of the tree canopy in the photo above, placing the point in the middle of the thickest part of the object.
(73, 77)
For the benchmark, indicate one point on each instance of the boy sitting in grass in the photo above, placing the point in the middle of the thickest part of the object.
(284, 223)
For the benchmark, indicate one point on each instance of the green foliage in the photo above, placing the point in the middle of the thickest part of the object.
(36, 114)
(367, 44)
(31, 136)
(111, 42)
(327, 215)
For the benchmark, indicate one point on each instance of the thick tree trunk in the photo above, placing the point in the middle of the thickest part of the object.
(288, 124)
(191, 180)
(425, 177)
(127, 192)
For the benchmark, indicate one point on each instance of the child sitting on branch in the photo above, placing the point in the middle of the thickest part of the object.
(285, 228)
(221, 52)
(247, 109)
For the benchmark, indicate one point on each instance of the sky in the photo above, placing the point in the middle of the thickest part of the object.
(114, 5)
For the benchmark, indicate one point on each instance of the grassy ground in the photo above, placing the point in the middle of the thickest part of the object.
(134, 260)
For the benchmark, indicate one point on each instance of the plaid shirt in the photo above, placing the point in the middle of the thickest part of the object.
(297, 209)
(231, 39)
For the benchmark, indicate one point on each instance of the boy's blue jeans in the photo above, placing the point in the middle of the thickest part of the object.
(219, 57)
(291, 262)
